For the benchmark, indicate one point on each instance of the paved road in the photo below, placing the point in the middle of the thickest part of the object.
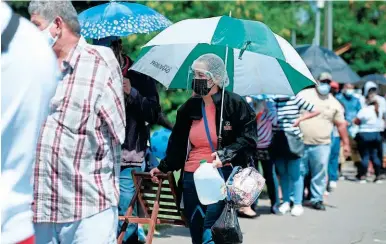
(356, 214)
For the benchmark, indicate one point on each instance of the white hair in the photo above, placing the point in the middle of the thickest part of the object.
(49, 10)
(216, 67)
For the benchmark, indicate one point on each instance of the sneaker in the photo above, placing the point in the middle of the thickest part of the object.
(333, 185)
(275, 210)
(319, 206)
(342, 177)
(284, 208)
(297, 210)
(362, 180)
(378, 180)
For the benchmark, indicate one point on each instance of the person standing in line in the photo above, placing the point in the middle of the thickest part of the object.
(196, 128)
(76, 175)
(287, 148)
(334, 164)
(369, 137)
(24, 107)
(351, 105)
(266, 118)
(142, 100)
(317, 141)
(372, 87)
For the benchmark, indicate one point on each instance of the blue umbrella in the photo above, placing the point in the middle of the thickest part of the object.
(377, 78)
(120, 19)
(319, 60)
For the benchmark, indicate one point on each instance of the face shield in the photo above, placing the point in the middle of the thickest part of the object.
(201, 80)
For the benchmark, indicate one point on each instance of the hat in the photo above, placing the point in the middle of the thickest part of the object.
(334, 85)
(369, 85)
(325, 76)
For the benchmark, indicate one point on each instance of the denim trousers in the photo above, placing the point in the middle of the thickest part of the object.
(201, 218)
(315, 162)
(98, 228)
(127, 191)
(333, 162)
(369, 146)
(290, 180)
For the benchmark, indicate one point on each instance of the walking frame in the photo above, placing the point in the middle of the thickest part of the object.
(158, 202)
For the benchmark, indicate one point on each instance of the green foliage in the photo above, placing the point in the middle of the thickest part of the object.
(280, 17)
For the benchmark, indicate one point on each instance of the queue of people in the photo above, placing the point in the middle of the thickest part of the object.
(306, 138)
(97, 129)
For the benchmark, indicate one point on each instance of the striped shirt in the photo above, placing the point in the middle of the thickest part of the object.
(288, 111)
(265, 120)
(78, 153)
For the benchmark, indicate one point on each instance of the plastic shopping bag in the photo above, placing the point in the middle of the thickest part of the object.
(226, 230)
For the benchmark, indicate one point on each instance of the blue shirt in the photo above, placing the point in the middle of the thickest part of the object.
(351, 106)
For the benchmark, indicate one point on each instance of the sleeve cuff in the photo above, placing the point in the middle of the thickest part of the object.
(163, 167)
(133, 94)
(221, 156)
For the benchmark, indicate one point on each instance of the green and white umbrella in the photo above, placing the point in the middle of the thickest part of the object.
(258, 61)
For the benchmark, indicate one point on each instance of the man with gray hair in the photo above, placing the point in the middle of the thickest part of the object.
(76, 177)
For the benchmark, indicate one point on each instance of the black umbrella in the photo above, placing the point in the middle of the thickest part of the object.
(319, 60)
(377, 78)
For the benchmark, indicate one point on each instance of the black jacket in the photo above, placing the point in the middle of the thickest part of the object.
(142, 105)
(239, 134)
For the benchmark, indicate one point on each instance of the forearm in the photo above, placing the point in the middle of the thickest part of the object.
(342, 130)
(309, 115)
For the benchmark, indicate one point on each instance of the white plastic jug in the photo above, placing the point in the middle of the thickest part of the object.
(210, 186)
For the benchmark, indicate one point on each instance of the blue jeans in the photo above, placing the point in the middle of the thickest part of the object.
(98, 228)
(369, 146)
(127, 191)
(290, 180)
(201, 218)
(333, 164)
(314, 162)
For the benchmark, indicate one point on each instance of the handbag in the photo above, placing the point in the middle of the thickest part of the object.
(295, 144)
(244, 186)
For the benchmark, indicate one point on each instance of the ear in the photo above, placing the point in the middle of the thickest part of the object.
(59, 24)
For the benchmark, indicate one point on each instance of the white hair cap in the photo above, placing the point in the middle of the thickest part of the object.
(216, 68)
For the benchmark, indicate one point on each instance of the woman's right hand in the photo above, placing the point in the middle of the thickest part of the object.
(152, 174)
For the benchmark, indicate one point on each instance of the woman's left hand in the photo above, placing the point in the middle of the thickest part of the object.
(216, 161)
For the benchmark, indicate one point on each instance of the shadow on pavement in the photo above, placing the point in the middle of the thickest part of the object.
(263, 210)
(173, 231)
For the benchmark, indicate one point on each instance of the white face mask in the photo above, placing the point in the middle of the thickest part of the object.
(51, 40)
(349, 92)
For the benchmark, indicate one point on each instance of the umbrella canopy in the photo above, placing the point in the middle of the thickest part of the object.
(120, 19)
(258, 61)
(377, 78)
(319, 60)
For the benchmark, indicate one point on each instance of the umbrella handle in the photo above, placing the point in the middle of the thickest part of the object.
(222, 100)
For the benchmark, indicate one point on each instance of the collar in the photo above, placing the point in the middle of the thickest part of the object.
(69, 63)
(74, 53)
(217, 97)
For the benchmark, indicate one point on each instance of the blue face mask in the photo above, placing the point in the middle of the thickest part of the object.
(323, 89)
(51, 40)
